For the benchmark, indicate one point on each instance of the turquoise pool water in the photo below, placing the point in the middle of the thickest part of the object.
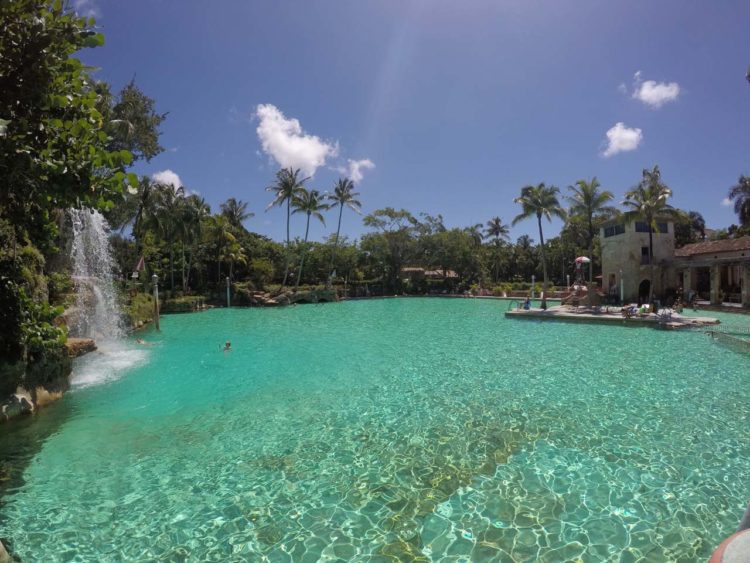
(392, 429)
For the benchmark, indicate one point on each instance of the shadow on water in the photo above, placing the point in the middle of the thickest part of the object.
(20, 440)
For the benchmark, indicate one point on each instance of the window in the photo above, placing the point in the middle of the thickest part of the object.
(613, 230)
(644, 256)
(642, 227)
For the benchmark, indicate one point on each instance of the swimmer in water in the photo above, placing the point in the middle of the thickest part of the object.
(228, 346)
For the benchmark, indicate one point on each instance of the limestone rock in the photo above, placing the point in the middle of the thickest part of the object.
(17, 404)
(80, 346)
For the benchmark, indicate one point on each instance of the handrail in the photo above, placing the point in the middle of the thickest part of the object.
(510, 304)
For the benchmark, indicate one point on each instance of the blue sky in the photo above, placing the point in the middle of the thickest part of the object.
(456, 105)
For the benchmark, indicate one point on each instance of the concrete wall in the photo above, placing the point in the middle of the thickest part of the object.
(622, 253)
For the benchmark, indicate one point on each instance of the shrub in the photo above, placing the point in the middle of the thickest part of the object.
(60, 284)
(261, 271)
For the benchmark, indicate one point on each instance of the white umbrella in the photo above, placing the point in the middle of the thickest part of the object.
(583, 260)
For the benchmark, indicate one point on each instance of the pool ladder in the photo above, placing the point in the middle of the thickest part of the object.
(518, 304)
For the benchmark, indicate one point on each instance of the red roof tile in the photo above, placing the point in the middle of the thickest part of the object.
(713, 246)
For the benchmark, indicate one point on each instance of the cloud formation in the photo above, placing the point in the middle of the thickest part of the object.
(286, 142)
(654, 94)
(168, 178)
(727, 202)
(86, 8)
(621, 138)
(354, 169)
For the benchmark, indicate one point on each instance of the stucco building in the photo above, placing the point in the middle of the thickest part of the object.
(718, 271)
(626, 268)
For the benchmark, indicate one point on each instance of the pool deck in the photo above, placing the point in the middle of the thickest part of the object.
(613, 316)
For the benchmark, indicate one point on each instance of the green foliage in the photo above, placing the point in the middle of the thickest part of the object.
(502, 289)
(55, 148)
(133, 124)
(60, 285)
(261, 271)
(739, 194)
(140, 308)
(38, 332)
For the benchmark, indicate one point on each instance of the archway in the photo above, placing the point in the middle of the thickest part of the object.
(643, 289)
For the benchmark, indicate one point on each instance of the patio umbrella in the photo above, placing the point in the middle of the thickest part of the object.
(583, 260)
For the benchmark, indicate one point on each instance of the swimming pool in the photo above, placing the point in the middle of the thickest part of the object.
(394, 428)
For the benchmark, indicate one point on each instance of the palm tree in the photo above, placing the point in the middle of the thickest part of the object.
(311, 204)
(234, 254)
(288, 186)
(236, 212)
(343, 196)
(740, 194)
(475, 232)
(146, 187)
(648, 201)
(165, 218)
(541, 201)
(195, 211)
(497, 229)
(589, 203)
(221, 235)
(698, 223)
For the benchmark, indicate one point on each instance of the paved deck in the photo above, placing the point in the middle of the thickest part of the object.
(614, 316)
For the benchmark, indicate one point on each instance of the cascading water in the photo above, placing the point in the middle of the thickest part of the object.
(98, 310)
(98, 313)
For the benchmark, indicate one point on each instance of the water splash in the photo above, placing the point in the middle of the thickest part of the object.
(98, 313)
(111, 361)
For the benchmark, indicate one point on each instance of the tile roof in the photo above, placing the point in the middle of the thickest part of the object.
(713, 246)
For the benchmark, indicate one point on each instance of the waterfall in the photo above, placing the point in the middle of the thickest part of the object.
(98, 312)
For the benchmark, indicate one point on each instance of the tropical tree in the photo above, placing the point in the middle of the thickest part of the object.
(475, 232)
(690, 227)
(165, 218)
(588, 203)
(311, 204)
(236, 212)
(234, 253)
(648, 202)
(740, 195)
(497, 230)
(540, 201)
(132, 121)
(194, 213)
(144, 208)
(525, 258)
(698, 223)
(288, 186)
(220, 234)
(343, 196)
(393, 245)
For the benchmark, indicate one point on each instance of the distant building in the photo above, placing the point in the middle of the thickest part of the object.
(625, 258)
(417, 274)
(718, 271)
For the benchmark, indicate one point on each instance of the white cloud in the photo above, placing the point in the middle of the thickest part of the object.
(621, 138)
(168, 178)
(354, 169)
(285, 141)
(654, 94)
(727, 202)
(86, 8)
